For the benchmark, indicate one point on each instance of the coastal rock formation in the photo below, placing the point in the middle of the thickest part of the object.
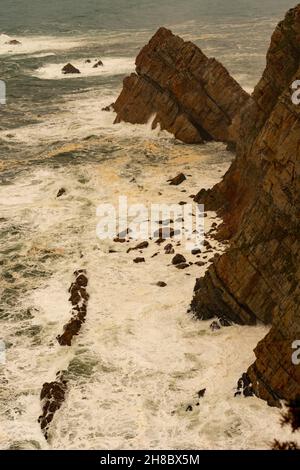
(78, 298)
(190, 95)
(258, 278)
(69, 68)
(52, 397)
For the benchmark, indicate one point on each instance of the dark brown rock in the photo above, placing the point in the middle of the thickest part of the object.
(70, 69)
(139, 260)
(13, 42)
(52, 397)
(79, 299)
(178, 259)
(258, 278)
(139, 246)
(161, 284)
(177, 83)
(99, 63)
(169, 250)
(177, 180)
(61, 191)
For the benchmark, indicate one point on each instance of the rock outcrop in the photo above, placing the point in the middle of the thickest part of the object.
(79, 298)
(257, 278)
(190, 95)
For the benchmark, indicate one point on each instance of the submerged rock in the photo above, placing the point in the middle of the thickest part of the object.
(61, 191)
(13, 42)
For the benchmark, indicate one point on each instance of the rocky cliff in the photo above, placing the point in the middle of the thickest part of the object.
(257, 278)
(190, 95)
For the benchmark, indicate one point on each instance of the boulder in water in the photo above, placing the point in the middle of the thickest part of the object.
(69, 68)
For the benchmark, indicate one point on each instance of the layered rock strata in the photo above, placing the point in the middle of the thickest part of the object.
(185, 92)
(257, 278)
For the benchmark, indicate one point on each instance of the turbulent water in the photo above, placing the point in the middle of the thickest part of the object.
(139, 359)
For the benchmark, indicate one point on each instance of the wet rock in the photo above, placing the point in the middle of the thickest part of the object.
(139, 260)
(215, 325)
(177, 83)
(201, 393)
(244, 386)
(99, 63)
(140, 246)
(178, 258)
(182, 266)
(108, 108)
(161, 284)
(177, 180)
(13, 42)
(52, 397)
(69, 69)
(79, 298)
(61, 191)
(169, 250)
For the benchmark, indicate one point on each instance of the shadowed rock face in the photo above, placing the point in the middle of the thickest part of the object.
(190, 95)
(257, 279)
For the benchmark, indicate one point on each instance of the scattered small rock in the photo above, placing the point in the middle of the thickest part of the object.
(161, 284)
(244, 386)
(200, 263)
(201, 393)
(61, 192)
(99, 63)
(169, 250)
(108, 108)
(182, 266)
(139, 260)
(189, 408)
(69, 68)
(13, 42)
(177, 179)
(140, 246)
(215, 325)
(178, 258)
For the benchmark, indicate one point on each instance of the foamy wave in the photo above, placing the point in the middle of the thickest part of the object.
(111, 66)
(29, 45)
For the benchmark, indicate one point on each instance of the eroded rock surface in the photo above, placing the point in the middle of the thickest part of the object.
(190, 95)
(257, 278)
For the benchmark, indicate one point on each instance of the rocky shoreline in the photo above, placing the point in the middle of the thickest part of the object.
(257, 278)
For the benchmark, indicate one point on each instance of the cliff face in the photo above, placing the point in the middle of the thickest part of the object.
(190, 95)
(257, 279)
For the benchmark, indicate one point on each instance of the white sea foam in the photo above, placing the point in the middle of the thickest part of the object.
(139, 359)
(39, 44)
(111, 66)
